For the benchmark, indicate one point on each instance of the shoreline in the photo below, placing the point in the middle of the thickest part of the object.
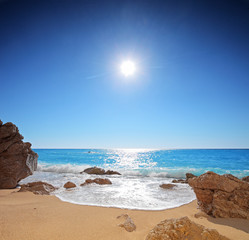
(28, 216)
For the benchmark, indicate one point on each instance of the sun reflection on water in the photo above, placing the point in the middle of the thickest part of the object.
(130, 159)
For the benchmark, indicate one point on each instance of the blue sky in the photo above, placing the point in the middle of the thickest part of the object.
(60, 81)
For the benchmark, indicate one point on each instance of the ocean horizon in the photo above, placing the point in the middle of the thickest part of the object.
(142, 171)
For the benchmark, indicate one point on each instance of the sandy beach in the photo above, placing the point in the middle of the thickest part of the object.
(26, 216)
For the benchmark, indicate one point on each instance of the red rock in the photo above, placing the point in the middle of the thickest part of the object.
(69, 185)
(222, 196)
(182, 228)
(110, 172)
(179, 181)
(99, 171)
(17, 160)
(167, 186)
(128, 225)
(94, 170)
(40, 188)
(100, 181)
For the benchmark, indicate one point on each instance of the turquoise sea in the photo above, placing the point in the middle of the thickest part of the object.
(143, 170)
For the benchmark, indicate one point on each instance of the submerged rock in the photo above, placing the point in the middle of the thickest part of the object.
(41, 188)
(100, 171)
(222, 195)
(69, 185)
(167, 186)
(182, 228)
(188, 176)
(100, 181)
(128, 225)
(179, 181)
(17, 160)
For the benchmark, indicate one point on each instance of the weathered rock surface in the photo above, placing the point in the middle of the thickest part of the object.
(100, 181)
(100, 171)
(246, 179)
(40, 188)
(17, 160)
(128, 225)
(167, 186)
(222, 195)
(182, 228)
(69, 185)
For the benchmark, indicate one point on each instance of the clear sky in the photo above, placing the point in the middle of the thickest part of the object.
(60, 79)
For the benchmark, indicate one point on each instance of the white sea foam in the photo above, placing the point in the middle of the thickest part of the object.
(131, 192)
(61, 168)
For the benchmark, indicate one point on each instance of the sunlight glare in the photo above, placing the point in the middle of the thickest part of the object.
(128, 68)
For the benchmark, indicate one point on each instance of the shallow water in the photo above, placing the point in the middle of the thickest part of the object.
(142, 172)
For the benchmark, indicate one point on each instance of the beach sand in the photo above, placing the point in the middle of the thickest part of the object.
(26, 216)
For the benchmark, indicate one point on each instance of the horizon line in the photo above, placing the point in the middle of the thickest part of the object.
(211, 148)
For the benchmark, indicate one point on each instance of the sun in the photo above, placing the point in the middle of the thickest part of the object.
(128, 68)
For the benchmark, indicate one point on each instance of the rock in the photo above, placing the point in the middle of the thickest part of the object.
(110, 172)
(246, 179)
(40, 188)
(100, 181)
(189, 175)
(182, 228)
(69, 185)
(94, 170)
(179, 181)
(128, 225)
(17, 160)
(167, 186)
(99, 171)
(221, 195)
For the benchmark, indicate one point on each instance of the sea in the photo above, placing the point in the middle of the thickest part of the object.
(142, 172)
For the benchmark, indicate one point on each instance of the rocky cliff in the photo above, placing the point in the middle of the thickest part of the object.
(17, 160)
(221, 195)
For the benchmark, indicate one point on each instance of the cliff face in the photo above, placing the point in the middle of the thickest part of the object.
(17, 160)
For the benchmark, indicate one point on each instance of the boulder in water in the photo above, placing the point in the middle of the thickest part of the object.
(99, 171)
(100, 181)
(167, 186)
(69, 185)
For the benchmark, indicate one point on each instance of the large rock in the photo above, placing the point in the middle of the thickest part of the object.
(40, 188)
(222, 196)
(182, 228)
(17, 160)
(99, 171)
(100, 181)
